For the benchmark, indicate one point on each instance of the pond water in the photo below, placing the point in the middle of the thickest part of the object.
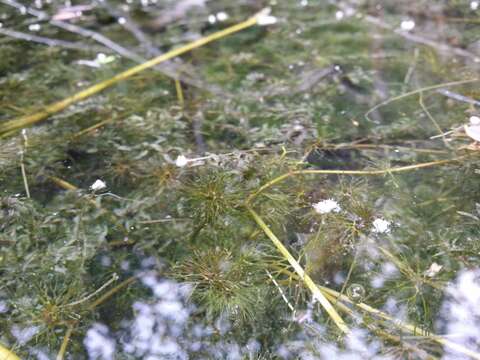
(305, 187)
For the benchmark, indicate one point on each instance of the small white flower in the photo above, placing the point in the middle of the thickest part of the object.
(473, 129)
(212, 19)
(326, 206)
(98, 185)
(222, 16)
(264, 18)
(381, 226)
(34, 27)
(181, 161)
(433, 270)
(407, 25)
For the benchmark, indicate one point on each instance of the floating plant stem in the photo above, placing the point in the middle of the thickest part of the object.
(413, 329)
(417, 91)
(6, 354)
(24, 121)
(179, 90)
(66, 339)
(349, 172)
(317, 294)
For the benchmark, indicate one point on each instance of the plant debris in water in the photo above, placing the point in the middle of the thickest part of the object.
(144, 222)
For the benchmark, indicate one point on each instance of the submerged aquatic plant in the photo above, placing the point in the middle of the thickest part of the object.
(226, 210)
(228, 283)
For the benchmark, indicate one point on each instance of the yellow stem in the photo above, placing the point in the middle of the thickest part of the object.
(63, 184)
(6, 354)
(412, 329)
(337, 298)
(66, 339)
(178, 88)
(91, 128)
(24, 121)
(317, 294)
(348, 172)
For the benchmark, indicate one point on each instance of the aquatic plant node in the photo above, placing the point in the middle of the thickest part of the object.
(28, 120)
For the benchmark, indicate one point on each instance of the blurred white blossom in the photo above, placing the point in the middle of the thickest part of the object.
(327, 206)
(181, 161)
(381, 226)
(98, 185)
(433, 270)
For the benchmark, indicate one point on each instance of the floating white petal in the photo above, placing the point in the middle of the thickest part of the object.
(381, 226)
(98, 185)
(326, 206)
(264, 18)
(181, 161)
(433, 270)
(407, 25)
(473, 129)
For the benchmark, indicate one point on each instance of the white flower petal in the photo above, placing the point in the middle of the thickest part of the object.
(433, 269)
(326, 206)
(264, 18)
(473, 132)
(181, 161)
(381, 226)
(98, 185)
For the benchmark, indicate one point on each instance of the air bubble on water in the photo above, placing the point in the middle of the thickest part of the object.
(356, 292)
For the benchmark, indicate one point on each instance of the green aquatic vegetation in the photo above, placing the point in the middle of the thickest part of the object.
(228, 283)
(238, 222)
